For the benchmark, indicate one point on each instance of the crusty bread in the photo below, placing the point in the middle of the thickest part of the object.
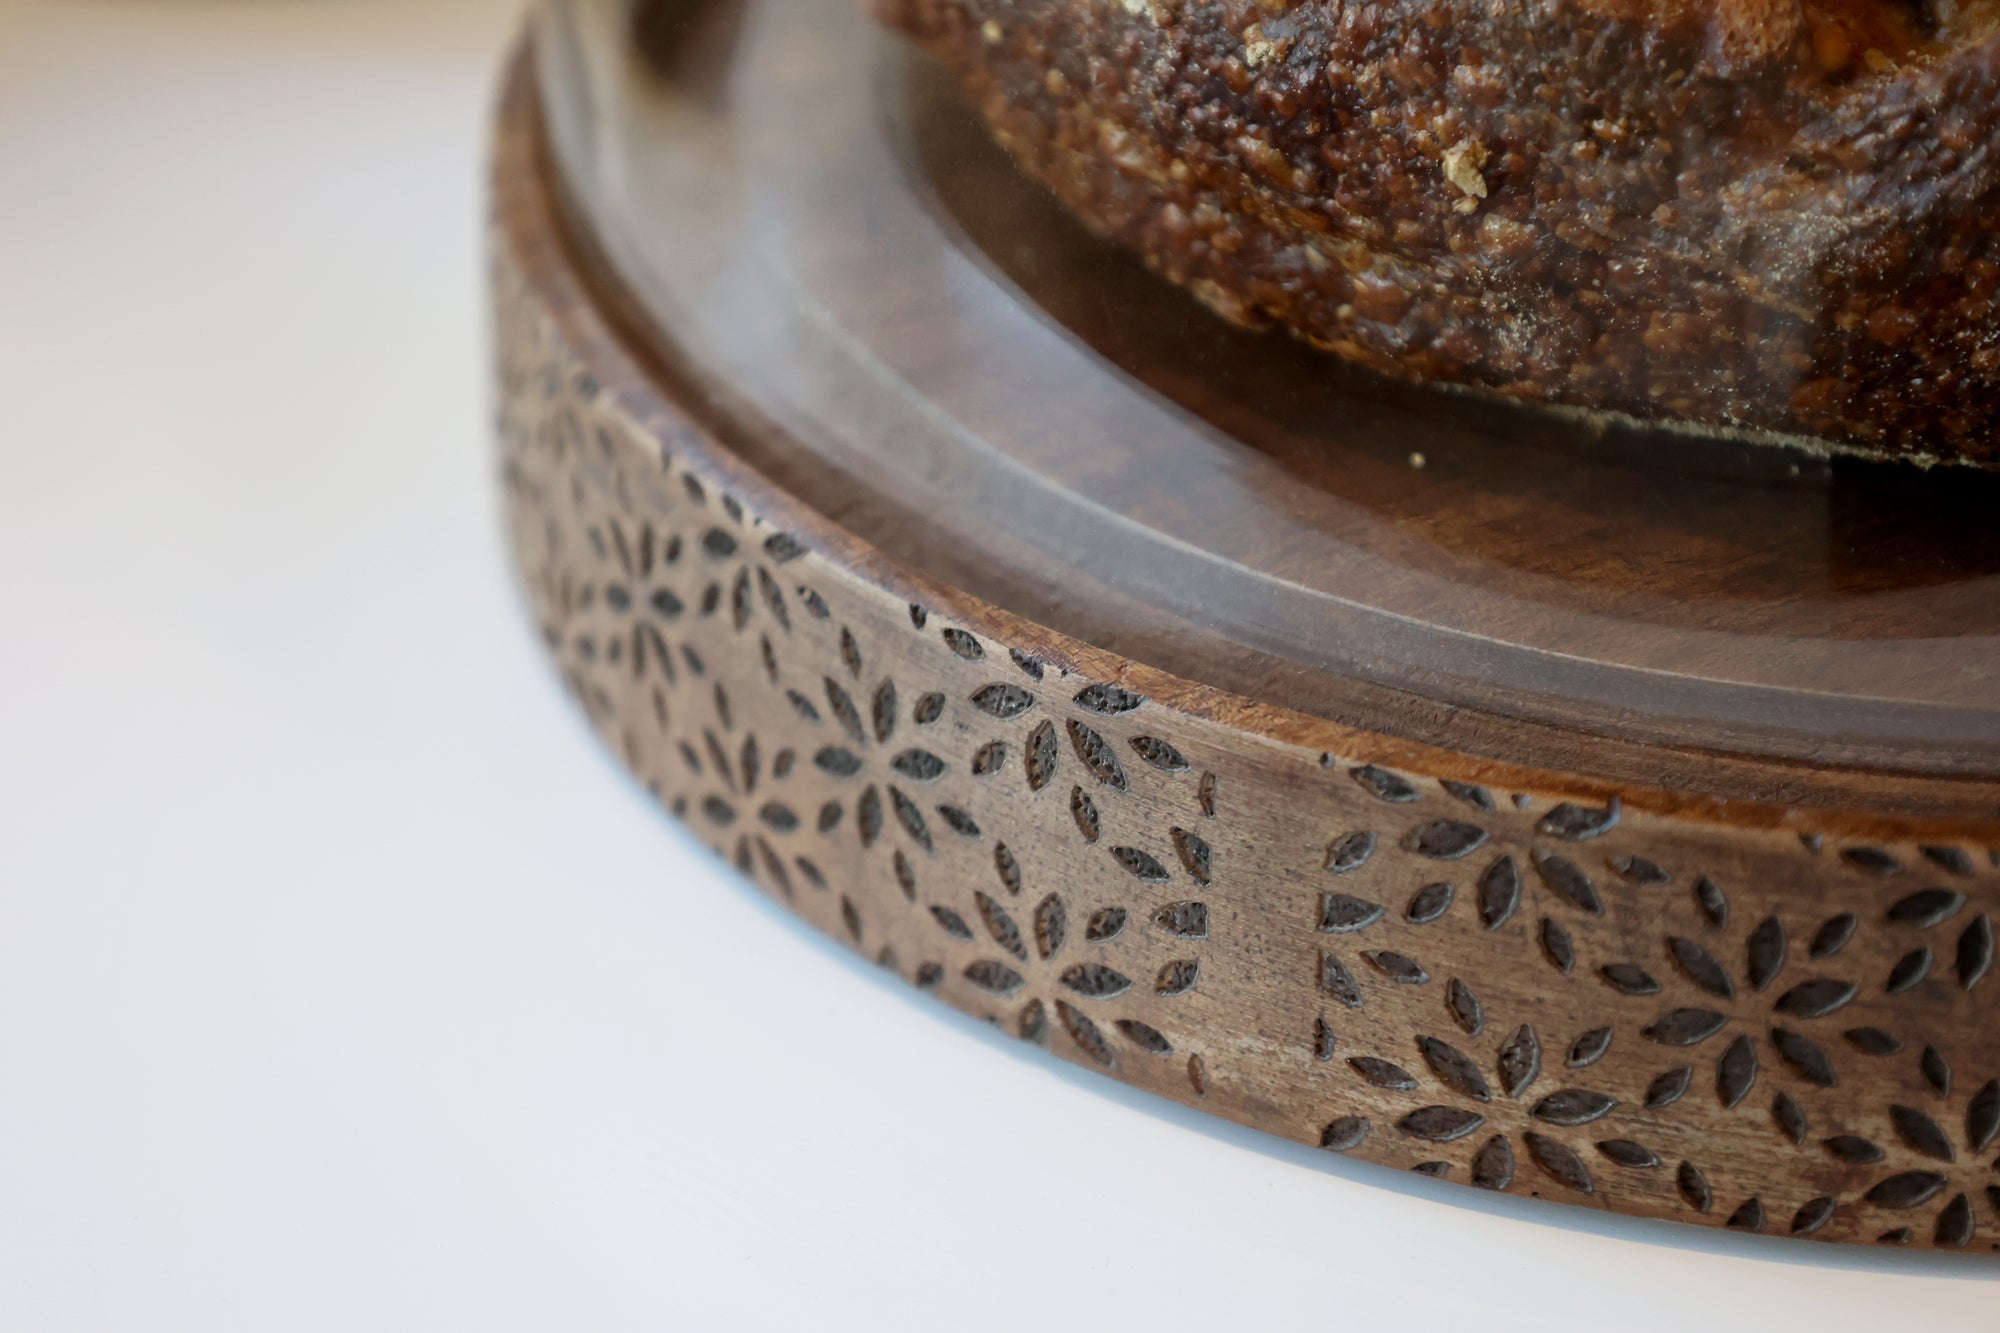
(1755, 213)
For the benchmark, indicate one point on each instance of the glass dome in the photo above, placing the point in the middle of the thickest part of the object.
(811, 225)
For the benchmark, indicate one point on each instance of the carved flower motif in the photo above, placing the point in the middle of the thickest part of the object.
(872, 742)
(1054, 969)
(1950, 1140)
(1054, 965)
(1779, 1006)
(646, 585)
(881, 768)
(1509, 1067)
(725, 680)
(616, 617)
(1479, 1066)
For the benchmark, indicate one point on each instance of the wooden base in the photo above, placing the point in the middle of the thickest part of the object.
(1525, 977)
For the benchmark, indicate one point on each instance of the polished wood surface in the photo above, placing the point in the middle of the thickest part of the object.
(1503, 951)
(908, 332)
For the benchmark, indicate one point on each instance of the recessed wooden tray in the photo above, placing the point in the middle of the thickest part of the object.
(1562, 809)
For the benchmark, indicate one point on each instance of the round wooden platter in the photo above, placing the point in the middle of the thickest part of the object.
(1561, 808)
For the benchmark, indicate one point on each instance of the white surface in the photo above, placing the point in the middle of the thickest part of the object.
(345, 984)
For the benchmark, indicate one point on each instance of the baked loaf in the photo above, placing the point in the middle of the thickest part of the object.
(1775, 215)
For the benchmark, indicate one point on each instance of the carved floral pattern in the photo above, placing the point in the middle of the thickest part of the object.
(1527, 992)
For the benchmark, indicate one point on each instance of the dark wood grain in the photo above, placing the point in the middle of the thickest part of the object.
(1699, 616)
(1540, 964)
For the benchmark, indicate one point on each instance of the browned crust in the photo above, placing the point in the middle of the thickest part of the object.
(1719, 215)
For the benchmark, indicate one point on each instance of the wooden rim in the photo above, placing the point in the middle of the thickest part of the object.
(1674, 771)
(1648, 1001)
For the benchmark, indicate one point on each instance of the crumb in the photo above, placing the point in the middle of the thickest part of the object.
(1257, 50)
(1417, 461)
(992, 32)
(1461, 167)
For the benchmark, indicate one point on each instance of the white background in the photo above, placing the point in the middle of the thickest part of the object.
(345, 984)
